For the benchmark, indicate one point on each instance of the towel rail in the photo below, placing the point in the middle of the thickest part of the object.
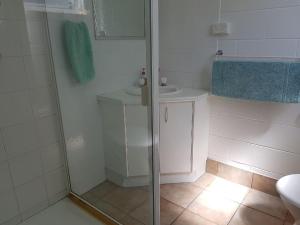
(261, 58)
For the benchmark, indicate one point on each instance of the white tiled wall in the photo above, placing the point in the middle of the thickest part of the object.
(258, 136)
(32, 173)
(117, 65)
(186, 47)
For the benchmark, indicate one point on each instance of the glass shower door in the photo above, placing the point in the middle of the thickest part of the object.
(105, 60)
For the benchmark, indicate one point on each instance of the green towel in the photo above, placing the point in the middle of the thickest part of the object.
(79, 50)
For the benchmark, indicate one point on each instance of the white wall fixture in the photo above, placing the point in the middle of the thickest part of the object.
(222, 28)
(183, 134)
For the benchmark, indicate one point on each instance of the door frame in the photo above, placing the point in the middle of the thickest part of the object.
(152, 40)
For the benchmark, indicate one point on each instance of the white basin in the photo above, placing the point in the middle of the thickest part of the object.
(169, 90)
(163, 90)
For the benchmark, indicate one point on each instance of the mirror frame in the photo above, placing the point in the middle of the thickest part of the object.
(98, 37)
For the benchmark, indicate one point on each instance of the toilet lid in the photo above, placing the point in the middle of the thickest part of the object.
(289, 188)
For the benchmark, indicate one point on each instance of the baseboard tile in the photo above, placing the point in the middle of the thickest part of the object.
(246, 178)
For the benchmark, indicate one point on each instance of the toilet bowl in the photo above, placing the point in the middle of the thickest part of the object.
(288, 188)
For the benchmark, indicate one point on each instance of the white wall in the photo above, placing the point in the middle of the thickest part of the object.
(186, 47)
(257, 136)
(32, 173)
(117, 64)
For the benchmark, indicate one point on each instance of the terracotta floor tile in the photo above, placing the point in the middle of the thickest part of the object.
(264, 184)
(168, 212)
(180, 194)
(102, 189)
(289, 218)
(127, 220)
(109, 209)
(266, 203)
(189, 218)
(214, 208)
(227, 189)
(205, 180)
(248, 216)
(126, 199)
(90, 197)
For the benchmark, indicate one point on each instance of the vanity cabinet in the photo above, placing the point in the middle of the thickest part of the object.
(184, 121)
(176, 130)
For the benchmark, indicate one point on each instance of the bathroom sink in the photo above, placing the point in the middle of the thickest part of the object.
(169, 90)
(163, 90)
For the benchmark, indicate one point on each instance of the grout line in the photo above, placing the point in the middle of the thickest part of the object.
(234, 214)
(257, 210)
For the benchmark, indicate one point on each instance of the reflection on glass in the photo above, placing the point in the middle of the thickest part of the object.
(107, 141)
(121, 19)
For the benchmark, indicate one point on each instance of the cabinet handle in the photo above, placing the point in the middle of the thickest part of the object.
(166, 114)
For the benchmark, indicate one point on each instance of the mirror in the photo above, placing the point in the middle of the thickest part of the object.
(119, 19)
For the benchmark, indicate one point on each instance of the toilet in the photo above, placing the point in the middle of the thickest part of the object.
(288, 188)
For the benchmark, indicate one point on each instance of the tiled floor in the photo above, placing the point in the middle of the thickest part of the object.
(210, 200)
(62, 213)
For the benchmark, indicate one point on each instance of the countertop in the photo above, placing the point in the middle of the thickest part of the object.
(187, 94)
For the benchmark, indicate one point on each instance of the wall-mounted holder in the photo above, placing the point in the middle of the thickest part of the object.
(222, 28)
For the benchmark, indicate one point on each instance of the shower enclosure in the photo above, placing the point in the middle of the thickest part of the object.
(101, 47)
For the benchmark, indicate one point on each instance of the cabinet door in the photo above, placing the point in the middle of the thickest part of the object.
(137, 140)
(176, 137)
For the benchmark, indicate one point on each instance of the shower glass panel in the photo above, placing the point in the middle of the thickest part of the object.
(108, 132)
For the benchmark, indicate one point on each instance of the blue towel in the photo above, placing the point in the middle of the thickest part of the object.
(257, 80)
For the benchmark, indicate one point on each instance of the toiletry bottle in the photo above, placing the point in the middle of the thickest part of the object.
(143, 78)
(144, 87)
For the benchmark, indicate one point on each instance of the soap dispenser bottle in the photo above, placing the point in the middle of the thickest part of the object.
(143, 78)
(144, 87)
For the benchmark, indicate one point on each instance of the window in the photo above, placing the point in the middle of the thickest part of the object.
(56, 6)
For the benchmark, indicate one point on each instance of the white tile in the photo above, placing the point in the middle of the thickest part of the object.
(43, 101)
(49, 130)
(283, 23)
(38, 68)
(8, 206)
(56, 182)
(217, 148)
(192, 61)
(257, 132)
(229, 47)
(32, 197)
(2, 151)
(64, 212)
(26, 168)
(246, 25)
(237, 107)
(14, 221)
(267, 48)
(15, 108)
(269, 159)
(52, 157)
(280, 113)
(11, 43)
(237, 5)
(5, 179)
(12, 9)
(34, 15)
(13, 77)
(20, 138)
(186, 30)
(37, 33)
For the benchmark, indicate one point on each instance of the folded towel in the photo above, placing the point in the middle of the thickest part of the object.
(79, 50)
(257, 80)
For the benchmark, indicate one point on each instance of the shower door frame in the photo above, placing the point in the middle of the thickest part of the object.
(152, 51)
